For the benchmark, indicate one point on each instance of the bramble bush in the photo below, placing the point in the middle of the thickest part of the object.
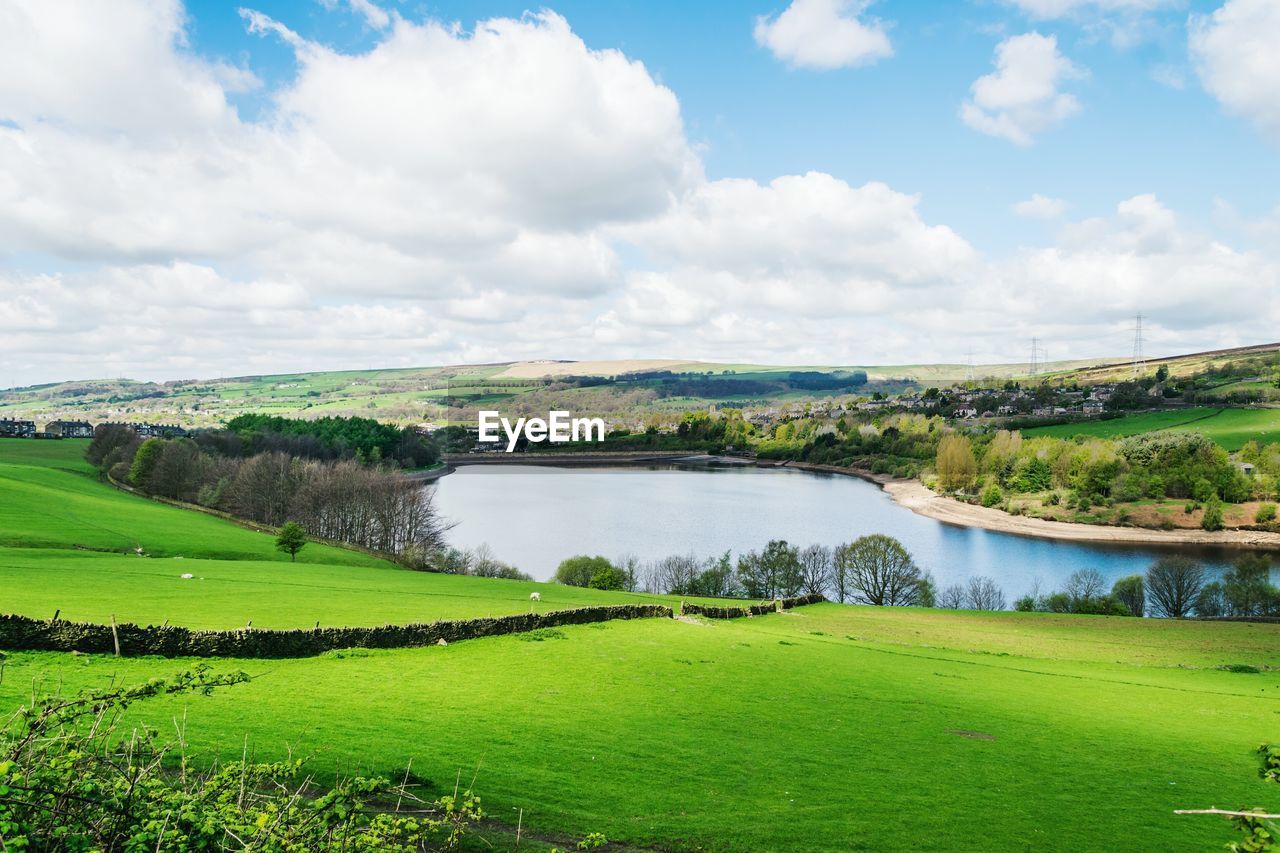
(72, 778)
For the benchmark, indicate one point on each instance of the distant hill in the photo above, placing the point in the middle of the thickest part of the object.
(635, 388)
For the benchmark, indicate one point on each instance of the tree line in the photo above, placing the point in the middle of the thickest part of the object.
(341, 500)
(874, 569)
(878, 570)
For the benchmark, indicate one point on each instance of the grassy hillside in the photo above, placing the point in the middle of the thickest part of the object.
(414, 394)
(1231, 428)
(67, 543)
(828, 727)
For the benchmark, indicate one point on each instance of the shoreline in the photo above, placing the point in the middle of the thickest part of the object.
(913, 495)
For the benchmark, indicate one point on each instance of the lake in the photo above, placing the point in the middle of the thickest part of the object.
(534, 517)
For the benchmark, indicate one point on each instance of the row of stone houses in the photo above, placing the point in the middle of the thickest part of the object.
(10, 428)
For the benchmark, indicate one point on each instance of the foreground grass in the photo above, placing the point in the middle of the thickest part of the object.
(1231, 428)
(831, 727)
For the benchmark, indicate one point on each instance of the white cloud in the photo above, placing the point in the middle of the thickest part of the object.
(1048, 9)
(824, 34)
(1021, 98)
(509, 193)
(1040, 207)
(1237, 57)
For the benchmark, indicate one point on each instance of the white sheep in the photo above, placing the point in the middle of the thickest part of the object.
(188, 576)
(535, 596)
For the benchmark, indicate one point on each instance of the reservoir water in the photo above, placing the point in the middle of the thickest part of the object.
(534, 517)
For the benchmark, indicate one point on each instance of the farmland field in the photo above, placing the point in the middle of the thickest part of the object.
(826, 727)
(67, 543)
(1231, 428)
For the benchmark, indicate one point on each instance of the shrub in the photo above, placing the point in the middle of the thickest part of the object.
(579, 570)
(1212, 518)
(1026, 604)
(75, 777)
(992, 496)
(1266, 513)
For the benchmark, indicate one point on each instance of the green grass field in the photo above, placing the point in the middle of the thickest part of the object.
(1231, 428)
(827, 727)
(67, 543)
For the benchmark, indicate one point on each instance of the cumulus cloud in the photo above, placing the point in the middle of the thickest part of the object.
(1040, 207)
(1021, 98)
(824, 34)
(1236, 56)
(1048, 9)
(509, 193)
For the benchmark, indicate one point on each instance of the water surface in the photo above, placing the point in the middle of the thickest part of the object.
(534, 517)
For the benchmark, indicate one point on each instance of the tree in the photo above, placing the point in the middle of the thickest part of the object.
(144, 462)
(983, 594)
(291, 539)
(957, 467)
(579, 570)
(1247, 589)
(1211, 603)
(926, 591)
(881, 571)
(1212, 519)
(1173, 584)
(1131, 592)
(1084, 585)
(815, 569)
(951, 598)
(607, 578)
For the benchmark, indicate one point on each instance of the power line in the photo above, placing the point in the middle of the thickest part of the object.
(1037, 358)
(1139, 361)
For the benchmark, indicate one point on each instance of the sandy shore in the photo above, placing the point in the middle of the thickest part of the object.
(914, 496)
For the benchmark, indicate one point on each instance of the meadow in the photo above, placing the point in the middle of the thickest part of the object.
(68, 540)
(825, 727)
(1231, 428)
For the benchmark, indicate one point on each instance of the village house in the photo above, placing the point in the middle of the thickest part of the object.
(69, 429)
(10, 428)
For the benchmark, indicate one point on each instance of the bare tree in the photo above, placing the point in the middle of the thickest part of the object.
(1084, 585)
(1173, 583)
(629, 565)
(815, 569)
(677, 574)
(983, 594)
(952, 598)
(881, 571)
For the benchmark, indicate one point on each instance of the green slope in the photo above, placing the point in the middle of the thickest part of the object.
(67, 543)
(1231, 428)
(821, 729)
(828, 727)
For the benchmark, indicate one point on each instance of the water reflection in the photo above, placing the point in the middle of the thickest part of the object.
(534, 517)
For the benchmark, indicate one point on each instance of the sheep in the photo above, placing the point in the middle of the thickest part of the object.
(535, 596)
(188, 576)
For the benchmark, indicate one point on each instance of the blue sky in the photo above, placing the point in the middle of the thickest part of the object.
(895, 121)
(193, 189)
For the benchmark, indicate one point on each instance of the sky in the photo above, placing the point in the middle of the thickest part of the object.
(200, 189)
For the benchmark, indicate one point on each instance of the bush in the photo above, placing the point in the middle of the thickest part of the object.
(991, 496)
(579, 570)
(1266, 513)
(1212, 518)
(1026, 604)
(75, 776)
